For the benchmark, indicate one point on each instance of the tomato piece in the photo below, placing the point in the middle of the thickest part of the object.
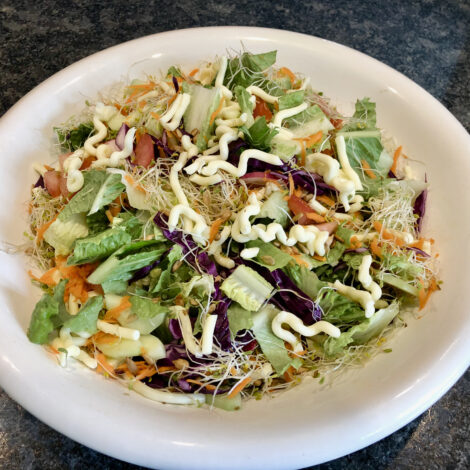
(62, 159)
(337, 123)
(144, 151)
(52, 182)
(87, 162)
(298, 206)
(63, 186)
(261, 109)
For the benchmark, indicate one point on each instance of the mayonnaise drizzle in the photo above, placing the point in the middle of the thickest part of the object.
(200, 230)
(215, 249)
(102, 113)
(363, 298)
(298, 325)
(366, 279)
(243, 231)
(257, 91)
(171, 119)
(333, 175)
(287, 113)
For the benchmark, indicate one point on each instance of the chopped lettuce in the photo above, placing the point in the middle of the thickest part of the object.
(285, 149)
(269, 256)
(248, 69)
(308, 122)
(275, 208)
(85, 320)
(147, 308)
(224, 402)
(73, 139)
(125, 261)
(239, 319)
(272, 346)
(259, 135)
(291, 100)
(364, 118)
(41, 324)
(62, 234)
(247, 287)
(164, 280)
(99, 189)
(204, 101)
(90, 249)
(97, 222)
(362, 333)
(246, 106)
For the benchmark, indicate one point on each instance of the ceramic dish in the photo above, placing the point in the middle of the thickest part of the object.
(306, 425)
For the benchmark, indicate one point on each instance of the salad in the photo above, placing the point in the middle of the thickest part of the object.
(215, 234)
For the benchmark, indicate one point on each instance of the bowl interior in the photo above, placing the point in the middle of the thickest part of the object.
(308, 424)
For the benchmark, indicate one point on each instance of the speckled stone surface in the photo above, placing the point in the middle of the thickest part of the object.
(428, 41)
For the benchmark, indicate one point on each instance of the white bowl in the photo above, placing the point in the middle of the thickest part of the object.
(304, 426)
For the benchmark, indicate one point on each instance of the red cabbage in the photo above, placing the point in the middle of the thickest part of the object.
(162, 143)
(175, 83)
(40, 183)
(175, 329)
(419, 208)
(289, 297)
(417, 250)
(121, 135)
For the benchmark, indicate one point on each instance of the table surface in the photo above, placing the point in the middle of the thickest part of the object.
(426, 40)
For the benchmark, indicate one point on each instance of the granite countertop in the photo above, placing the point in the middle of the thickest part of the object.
(426, 40)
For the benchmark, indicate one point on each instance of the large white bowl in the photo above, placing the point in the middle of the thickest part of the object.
(304, 426)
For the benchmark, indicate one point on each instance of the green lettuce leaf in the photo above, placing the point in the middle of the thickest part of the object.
(41, 324)
(174, 72)
(246, 106)
(164, 280)
(308, 122)
(99, 189)
(364, 117)
(275, 208)
(291, 100)
(121, 265)
(90, 249)
(239, 319)
(85, 320)
(247, 69)
(115, 287)
(362, 333)
(97, 222)
(73, 139)
(247, 287)
(269, 256)
(62, 234)
(146, 308)
(272, 346)
(259, 135)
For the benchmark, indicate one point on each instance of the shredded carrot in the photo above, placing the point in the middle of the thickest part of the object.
(418, 244)
(289, 374)
(368, 170)
(134, 184)
(142, 104)
(233, 371)
(48, 168)
(326, 200)
(315, 217)
(147, 373)
(214, 229)
(291, 185)
(42, 229)
(396, 156)
(387, 235)
(424, 294)
(198, 382)
(354, 242)
(165, 368)
(375, 248)
(300, 261)
(303, 153)
(52, 349)
(241, 385)
(115, 210)
(216, 112)
(109, 216)
(289, 73)
(103, 365)
(155, 115)
(319, 258)
(113, 313)
(311, 139)
(193, 72)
